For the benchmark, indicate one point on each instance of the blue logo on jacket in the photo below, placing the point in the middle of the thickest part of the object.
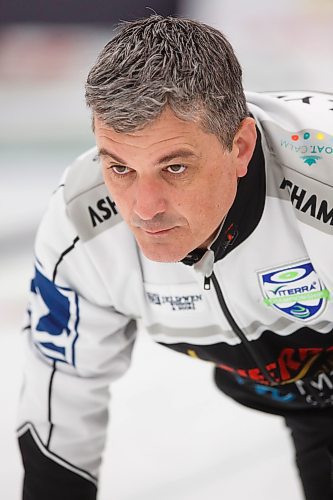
(54, 330)
(295, 291)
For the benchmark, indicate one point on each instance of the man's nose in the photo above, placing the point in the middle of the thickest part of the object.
(149, 198)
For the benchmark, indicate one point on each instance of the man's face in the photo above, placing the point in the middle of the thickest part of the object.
(172, 182)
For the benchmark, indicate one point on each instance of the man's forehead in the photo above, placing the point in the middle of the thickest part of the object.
(166, 132)
(166, 119)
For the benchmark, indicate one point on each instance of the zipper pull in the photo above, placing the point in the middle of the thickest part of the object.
(205, 266)
(207, 283)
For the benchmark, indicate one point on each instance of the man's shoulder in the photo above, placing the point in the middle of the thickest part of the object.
(88, 202)
(294, 110)
(301, 102)
(83, 174)
(298, 130)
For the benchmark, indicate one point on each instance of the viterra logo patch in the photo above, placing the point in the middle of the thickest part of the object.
(294, 291)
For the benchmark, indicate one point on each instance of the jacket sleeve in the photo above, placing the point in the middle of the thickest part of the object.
(76, 343)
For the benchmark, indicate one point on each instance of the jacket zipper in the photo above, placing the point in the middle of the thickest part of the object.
(230, 235)
(236, 329)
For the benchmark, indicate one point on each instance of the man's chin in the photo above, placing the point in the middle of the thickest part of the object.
(159, 254)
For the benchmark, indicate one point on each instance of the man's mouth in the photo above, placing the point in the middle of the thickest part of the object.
(156, 232)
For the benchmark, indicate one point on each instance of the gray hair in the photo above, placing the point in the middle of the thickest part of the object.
(160, 61)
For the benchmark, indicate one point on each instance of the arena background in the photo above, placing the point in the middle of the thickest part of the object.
(172, 435)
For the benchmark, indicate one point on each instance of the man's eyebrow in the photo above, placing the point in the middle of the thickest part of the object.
(179, 153)
(105, 152)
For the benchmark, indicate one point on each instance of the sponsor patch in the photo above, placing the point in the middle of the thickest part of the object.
(55, 319)
(183, 298)
(311, 146)
(307, 151)
(294, 290)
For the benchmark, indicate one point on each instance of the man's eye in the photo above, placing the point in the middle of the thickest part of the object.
(176, 169)
(119, 169)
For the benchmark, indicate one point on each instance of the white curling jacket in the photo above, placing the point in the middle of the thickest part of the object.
(257, 304)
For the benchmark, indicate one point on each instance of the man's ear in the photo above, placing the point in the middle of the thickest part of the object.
(244, 144)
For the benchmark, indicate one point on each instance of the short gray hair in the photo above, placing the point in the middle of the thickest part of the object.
(160, 61)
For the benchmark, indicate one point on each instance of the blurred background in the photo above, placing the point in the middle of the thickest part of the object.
(179, 443)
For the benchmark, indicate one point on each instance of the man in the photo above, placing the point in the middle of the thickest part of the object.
(208, 218)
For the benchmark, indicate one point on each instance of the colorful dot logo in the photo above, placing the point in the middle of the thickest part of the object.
(319, 135)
